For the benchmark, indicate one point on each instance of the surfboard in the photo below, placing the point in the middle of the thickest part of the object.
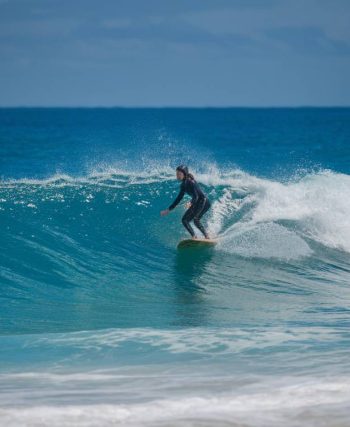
(186, 243)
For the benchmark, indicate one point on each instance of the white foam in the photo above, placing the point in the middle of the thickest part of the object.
(111, 177)
(265, 240)
(316, 206)
(189, 340)
(289, 402)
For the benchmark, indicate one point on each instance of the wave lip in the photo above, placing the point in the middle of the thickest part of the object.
(258, 212)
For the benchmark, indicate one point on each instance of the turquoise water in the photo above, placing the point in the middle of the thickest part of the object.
(103, 321)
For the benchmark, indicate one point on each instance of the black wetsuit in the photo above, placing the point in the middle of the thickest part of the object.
(199, 205)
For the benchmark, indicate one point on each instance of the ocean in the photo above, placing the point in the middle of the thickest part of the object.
(104, 322)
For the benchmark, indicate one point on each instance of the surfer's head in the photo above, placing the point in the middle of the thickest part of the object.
(181, 172)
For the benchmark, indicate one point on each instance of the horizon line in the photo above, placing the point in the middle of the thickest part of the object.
(171, 106)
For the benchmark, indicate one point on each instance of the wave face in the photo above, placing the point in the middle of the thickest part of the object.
(104, 321)
(96, 246)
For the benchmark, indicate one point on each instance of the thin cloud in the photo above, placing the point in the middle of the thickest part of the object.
(308, 40)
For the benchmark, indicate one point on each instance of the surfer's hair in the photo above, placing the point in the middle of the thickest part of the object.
(184, 170)
(189, 175)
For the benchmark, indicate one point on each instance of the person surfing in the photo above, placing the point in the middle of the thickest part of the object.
(196, 208)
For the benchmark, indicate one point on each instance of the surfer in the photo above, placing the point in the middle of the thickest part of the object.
(196, 208)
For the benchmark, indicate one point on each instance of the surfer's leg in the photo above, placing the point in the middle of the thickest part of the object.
(202, 209)
(188, 216)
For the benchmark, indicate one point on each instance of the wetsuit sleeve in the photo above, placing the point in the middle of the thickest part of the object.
(178, 198)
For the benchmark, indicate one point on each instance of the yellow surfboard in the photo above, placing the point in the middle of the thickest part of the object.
(187, 243)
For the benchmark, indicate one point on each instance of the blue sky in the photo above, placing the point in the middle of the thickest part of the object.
(174, 52)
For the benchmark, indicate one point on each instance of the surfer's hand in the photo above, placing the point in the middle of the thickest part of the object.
(188, 205)
(165, 212)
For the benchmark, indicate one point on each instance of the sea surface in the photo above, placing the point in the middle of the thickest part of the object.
(104, 322)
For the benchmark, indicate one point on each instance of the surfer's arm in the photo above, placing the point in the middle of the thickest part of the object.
(178, 198)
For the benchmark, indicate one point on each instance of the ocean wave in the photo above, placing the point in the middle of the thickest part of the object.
(190, 340)
(271, 348)
(256, 216)
(105, 228)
